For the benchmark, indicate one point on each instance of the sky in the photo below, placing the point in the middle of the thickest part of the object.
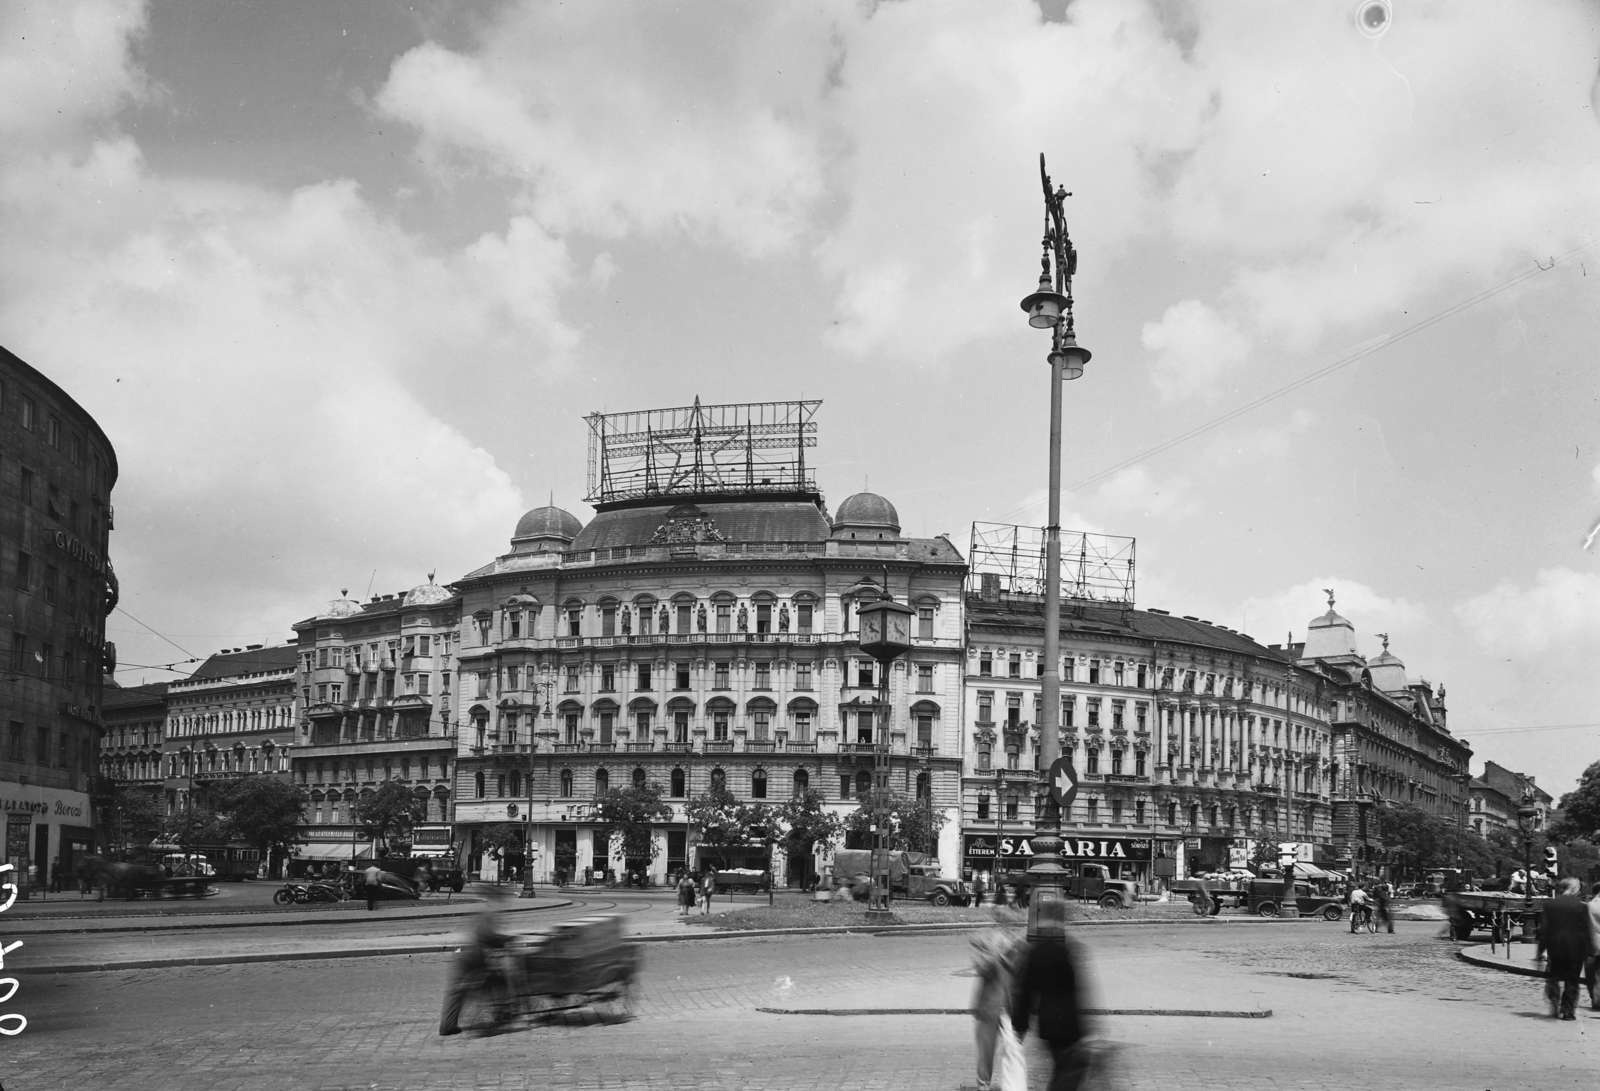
(341, 279)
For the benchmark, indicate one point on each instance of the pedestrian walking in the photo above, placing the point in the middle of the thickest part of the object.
(686, 895)
(424, 878)
(708, 887)
(1565, 943)
(1381, 894)
(1046, 993)
(994, 961)
(374, 883)
(978, 889)
(473, 968)
(1593, 968)
(55, 875)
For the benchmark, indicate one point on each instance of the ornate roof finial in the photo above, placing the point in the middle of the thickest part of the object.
(431, 571)
(1329, 592)
(1385, 638)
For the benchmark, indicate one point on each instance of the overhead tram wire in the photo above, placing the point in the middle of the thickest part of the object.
(163, 636)
(1322, 372)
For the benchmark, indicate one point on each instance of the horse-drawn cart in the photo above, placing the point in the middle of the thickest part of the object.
(578, 963)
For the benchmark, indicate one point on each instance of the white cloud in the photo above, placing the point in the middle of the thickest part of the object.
(260, 361)
(1559, 612)
(624, 117)
(1194, 347)
(1270, 618)
(1134, 490)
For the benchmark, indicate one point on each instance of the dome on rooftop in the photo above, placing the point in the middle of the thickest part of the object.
(339, 607)
(1331, 636)
(1387, 671)
(866, 514)
(426, 594)
(549, 525)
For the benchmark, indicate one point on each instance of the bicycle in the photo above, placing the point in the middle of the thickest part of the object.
(1364, 918)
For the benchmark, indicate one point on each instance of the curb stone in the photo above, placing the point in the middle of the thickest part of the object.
(435, 948)
(177, 924)
(1262, 1013)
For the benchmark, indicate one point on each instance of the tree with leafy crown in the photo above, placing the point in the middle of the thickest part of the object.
(390, 814)
(627, 817)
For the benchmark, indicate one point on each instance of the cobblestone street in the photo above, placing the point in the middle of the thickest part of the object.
(1347, 1011)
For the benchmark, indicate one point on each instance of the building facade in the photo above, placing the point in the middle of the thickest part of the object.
(57, 469)
(235, 716)
(1490, 809)
(1191, 742)
(1392, 743)
(135, 728)
(1512, 786)
(700, 633)
(375, 682)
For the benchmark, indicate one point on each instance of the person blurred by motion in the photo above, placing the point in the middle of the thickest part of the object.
(995, 956)
(374, 883)
(1566, 945)
(473, 967)
(1046, 993)
(1592, 971)
(1380, 894)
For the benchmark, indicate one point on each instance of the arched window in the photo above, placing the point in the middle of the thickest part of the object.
(924, 787)
(758, 784)
(638, 778)
(802, 781)
(566, 783)
(719, 780)
(602, 781)
(677, 784)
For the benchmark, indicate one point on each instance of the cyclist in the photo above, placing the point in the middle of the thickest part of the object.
(1360, 908)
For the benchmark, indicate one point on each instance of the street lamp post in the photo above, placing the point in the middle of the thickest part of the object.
(885, 636)
(546, 691)
(1525, 816)
(1050, 308)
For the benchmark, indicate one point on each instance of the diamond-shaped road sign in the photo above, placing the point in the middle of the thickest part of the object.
(1063, 783)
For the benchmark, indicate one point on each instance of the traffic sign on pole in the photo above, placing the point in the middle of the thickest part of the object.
(1063, 782)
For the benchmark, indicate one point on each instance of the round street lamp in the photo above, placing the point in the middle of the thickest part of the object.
(1050, 308)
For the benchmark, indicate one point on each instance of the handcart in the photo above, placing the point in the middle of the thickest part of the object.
(578, 963)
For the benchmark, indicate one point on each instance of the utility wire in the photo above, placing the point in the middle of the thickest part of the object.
(1322, 372)
(169, 640)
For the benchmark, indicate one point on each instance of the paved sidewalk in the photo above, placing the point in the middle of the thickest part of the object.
(1514, 958)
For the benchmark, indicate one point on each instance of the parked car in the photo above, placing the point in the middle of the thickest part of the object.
(1264, 897)
(442, 871)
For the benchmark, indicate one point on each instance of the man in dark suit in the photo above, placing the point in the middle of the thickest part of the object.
(1565, 941)
(1047, 986)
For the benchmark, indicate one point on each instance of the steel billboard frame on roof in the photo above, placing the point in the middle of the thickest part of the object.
(700, 450)
(1095, 567)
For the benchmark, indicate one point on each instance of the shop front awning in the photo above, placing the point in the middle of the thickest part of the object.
(326, 851)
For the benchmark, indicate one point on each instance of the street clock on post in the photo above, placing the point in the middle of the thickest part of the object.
(885, 629)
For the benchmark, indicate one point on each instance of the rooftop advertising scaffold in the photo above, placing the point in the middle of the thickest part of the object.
(700, 450)
(1010, 560)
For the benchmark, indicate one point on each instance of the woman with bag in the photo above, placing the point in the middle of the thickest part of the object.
(994, 956)
(686, 895)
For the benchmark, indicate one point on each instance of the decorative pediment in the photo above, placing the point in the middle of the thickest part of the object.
(686, 524)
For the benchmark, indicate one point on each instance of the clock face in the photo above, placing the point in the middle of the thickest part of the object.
(899, 628)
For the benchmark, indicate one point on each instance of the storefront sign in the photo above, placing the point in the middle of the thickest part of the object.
(1016, 852)
(44, 803)
(72, 547)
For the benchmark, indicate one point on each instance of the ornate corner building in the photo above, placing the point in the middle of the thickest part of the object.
(375, 686)
(697, 632)
(1191, 741)
(57, 586)
(1392, 742)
